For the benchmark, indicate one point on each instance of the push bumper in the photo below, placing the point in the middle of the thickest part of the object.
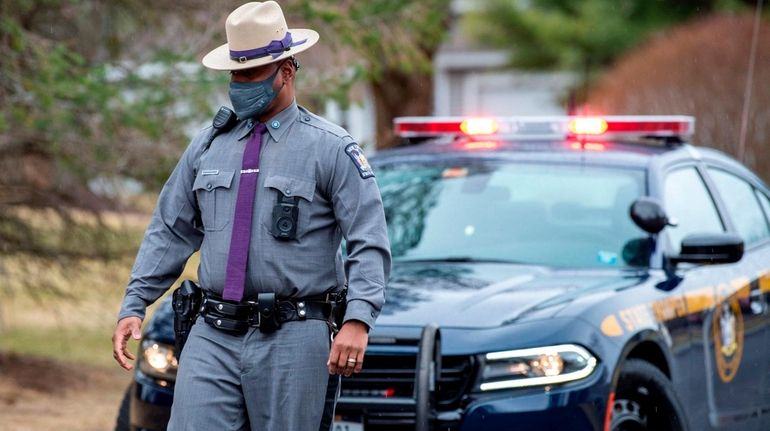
(150, 403)
(577, 407)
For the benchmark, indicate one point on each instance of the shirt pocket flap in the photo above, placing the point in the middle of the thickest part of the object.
(290, 186)
(208, 180)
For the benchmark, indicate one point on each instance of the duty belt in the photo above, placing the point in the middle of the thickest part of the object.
(266, 313)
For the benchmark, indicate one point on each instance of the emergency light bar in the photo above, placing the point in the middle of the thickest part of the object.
(676, 127)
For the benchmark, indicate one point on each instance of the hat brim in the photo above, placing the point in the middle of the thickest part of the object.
(219, 58)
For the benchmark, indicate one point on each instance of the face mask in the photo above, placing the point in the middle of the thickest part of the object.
(251, 99)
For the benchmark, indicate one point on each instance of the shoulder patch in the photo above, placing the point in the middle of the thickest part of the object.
(359, 159)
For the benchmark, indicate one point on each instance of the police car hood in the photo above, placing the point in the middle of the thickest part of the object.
(482, 295)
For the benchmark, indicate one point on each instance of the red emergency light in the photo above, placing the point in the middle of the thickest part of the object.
(588, 126)
(426, 126)
(479, 126)
(633, 126)
(430, 126)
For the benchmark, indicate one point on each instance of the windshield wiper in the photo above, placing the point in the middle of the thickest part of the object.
(457, 259)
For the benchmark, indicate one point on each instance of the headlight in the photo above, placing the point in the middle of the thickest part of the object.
(158, 360)
(536, 367)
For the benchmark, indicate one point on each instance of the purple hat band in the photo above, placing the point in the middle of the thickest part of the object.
(275, 48)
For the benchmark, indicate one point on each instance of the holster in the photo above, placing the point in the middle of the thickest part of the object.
(186, 302)
(339, 306)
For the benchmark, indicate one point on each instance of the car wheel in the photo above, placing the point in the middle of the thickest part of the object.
(645, 400)
(123, 422)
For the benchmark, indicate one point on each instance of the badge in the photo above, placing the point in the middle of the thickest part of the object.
(359, 159)
(727, 329)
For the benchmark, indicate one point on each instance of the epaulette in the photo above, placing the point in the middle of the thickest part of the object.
(311, 119)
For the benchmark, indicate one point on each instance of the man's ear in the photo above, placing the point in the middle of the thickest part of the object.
(287, 70)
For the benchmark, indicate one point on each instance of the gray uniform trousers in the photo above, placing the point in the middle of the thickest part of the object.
(256, 381)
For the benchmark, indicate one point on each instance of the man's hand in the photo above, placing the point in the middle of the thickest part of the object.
(347, 353)
(127, 327)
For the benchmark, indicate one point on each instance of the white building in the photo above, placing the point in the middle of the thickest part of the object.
(472, 80)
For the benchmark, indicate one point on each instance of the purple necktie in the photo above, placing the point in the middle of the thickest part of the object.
(239, 241)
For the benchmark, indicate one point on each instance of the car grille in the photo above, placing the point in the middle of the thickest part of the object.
(386, 376)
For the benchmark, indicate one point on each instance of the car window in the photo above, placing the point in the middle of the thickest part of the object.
(741, 205)
(689, 204)
(559, 215)
(764, 201)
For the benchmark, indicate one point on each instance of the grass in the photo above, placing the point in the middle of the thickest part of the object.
(85, 346)
(66, 308)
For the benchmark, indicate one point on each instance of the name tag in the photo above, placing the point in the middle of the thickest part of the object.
(210, 172)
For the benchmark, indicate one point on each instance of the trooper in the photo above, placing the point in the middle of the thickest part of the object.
(267, 202)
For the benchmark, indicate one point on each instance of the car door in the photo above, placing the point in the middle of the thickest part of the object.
(740, 200)
(764, 286)
(691, 209)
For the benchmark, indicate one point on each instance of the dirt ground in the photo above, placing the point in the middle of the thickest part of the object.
(39, 394)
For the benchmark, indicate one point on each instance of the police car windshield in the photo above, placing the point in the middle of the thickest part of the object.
(556, 215)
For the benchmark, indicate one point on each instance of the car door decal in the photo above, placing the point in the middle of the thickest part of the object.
(727, 330)
(764, 281)
(610, 326)
(672, 307)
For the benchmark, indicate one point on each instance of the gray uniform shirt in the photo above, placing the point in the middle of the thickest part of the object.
(302, 155)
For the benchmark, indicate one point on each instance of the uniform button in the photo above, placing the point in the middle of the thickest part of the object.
(374, 314)
(306, 118)
(219, 322)
(220, 307)
(288, 192)
(275, 124)
(208, 186)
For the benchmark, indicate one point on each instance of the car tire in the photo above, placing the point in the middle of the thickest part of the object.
(123, 422)
(645, 400)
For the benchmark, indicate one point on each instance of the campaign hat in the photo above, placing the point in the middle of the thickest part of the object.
(257, 35)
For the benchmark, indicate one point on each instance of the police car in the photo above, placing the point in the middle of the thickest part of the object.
(552, 273)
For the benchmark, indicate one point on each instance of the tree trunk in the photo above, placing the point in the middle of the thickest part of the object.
(398, 94)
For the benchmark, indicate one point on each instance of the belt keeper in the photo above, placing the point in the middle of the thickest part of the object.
(301, 311)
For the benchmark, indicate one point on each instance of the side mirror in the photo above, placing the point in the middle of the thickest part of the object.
(710, 249)
(649, 215)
